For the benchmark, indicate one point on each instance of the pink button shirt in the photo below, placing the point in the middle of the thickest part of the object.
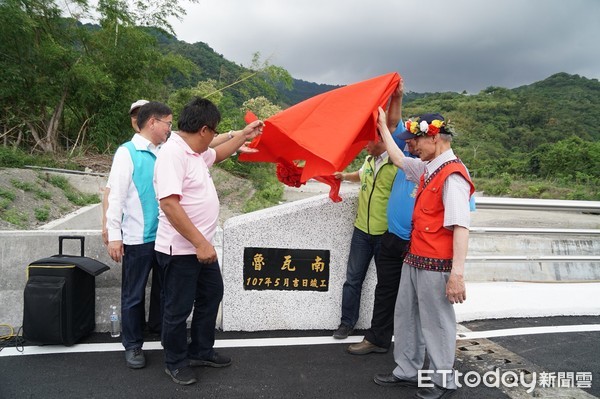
(181, 171)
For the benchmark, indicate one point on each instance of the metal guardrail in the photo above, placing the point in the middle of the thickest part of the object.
(533, 230)
(536, 205)
(529, 258)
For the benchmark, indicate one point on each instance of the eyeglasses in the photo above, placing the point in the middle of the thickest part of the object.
(214, 131)
(170, 124)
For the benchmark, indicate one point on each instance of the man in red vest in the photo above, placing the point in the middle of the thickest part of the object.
(432, 273)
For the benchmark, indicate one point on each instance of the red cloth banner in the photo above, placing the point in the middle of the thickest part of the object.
(323, 134)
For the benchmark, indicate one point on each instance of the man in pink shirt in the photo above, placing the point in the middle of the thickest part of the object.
(189, 210)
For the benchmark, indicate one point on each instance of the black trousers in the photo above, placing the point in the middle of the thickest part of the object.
(155, 310)
(388, 263)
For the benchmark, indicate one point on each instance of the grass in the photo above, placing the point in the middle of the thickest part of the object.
(268, 189)
(7, 194)
(76, 197)
(43, 195)
(23, 185)
(40, 193)
(4, 203)
(15, 217)
(6, 198)
(17, 158)
(42, 214)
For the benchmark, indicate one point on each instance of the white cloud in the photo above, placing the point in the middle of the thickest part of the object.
(435, 44)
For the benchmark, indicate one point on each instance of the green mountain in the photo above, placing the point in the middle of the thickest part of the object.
(214, 66)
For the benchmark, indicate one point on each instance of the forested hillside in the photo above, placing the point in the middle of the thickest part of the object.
(65, 88)
(547, 130)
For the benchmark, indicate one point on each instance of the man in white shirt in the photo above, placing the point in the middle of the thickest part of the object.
(132, 220)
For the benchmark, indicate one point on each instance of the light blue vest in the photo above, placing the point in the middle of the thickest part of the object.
(143, 175)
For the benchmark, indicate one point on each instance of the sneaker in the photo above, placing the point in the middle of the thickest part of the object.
(343, 331)
(215, 360)
(182, 376)
(135, 358)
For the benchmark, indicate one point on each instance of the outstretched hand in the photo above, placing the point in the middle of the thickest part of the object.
(245, 148)
(399, 89)
(382, 121)
(253, 129)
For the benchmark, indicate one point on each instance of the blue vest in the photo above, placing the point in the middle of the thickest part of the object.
(143, 175)
(402, 197)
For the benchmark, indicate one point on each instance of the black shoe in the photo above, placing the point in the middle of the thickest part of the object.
(434, 392)
(182, 376)
(390, 380)
(343, 331)
(215, 360)
(135, 358)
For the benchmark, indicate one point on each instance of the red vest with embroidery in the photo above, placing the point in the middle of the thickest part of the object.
(431, 244)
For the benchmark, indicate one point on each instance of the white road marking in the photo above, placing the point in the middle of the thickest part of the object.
(509, 332)
(288, 341)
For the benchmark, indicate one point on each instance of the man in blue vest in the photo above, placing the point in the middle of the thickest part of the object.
(132, 220)
(393, 247)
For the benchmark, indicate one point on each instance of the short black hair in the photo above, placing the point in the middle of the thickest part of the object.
(153, 109)
(198, 113)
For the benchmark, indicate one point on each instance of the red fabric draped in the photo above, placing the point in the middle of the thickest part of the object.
(324, 133)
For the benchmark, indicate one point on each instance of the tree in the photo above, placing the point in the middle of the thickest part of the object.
(60, 79)
(37, 68)
(568, 157)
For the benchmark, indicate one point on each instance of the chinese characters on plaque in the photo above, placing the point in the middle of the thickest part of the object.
(286, 269)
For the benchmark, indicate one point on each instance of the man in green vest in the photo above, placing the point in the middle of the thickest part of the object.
(376, 177)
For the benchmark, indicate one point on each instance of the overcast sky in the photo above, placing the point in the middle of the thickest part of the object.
(436, 45)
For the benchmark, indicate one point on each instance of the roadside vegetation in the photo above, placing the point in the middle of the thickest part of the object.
(37, 198)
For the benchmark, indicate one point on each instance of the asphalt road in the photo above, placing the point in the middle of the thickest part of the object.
(298, 369)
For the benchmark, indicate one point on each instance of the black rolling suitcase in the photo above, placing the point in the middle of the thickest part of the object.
(60, 297)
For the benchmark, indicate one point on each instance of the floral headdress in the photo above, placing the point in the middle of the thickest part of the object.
(420, 127)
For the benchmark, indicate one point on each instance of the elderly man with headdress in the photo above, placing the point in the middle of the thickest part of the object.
(432, 273)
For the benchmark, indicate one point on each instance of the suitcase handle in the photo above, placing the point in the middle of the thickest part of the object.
(60, 243)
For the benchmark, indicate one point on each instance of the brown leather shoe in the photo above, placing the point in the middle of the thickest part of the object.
(365, 347)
